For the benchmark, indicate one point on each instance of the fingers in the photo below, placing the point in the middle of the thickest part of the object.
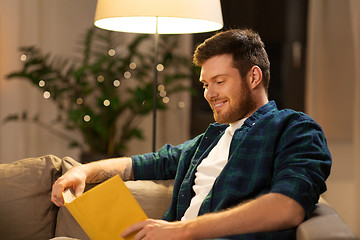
(56, 194)
(79, 189)
(146, 230)
(72, 179)
(134, 228)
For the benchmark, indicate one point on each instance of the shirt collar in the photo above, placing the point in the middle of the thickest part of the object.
(250, 121)
(269, 107)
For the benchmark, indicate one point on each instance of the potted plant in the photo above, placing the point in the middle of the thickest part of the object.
(105, 94)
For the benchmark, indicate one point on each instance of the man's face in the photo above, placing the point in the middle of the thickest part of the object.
(228, 95)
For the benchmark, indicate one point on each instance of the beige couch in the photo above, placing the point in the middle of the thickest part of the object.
(26, 211)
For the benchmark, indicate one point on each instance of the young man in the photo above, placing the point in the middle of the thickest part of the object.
(256, 173)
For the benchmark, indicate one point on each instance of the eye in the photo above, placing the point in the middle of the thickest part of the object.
(220, 81)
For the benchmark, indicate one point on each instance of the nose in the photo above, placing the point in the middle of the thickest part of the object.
(210, 92)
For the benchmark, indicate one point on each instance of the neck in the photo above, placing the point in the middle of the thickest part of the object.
(259, 100)
(260, 97)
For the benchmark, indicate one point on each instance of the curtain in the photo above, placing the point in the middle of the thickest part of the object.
(333, 93)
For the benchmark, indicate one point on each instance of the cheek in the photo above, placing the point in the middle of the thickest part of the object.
(205, 94)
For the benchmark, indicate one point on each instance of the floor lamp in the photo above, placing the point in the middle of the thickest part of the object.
(159, 17)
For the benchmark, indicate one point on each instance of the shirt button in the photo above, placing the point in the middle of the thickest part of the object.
(253, 124)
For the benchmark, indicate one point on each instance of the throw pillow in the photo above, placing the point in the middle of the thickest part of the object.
(26, 210)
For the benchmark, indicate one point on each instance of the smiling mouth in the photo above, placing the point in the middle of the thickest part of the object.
(218, 105)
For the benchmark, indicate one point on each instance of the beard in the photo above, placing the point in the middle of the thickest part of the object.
(240, 108)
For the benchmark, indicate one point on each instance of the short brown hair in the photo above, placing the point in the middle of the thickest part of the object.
(245, 46)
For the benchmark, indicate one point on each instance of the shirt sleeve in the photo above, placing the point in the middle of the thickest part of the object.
(162, 164)
(302, 163)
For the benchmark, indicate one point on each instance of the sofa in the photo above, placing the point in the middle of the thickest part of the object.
(26, 211)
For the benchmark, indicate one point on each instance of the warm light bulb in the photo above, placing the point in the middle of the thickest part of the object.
(127, 74)
(132, 65)
(87, 118)
(166, 100)
(161, 87)
(163, 93)
(181, 104)
(116, 83)
(46, 94)
(111, 52)
(79, 101)
(23, 57)
(100, 79)
(106, 103)
(160, 67)
(165, 25)
(41, 83)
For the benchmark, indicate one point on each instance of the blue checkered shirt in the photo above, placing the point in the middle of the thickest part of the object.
(273, 152)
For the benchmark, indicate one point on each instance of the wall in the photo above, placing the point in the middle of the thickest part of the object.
(55, 26)
(333, 96)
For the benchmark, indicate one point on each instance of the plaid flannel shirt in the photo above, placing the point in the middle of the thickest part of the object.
(274, 151)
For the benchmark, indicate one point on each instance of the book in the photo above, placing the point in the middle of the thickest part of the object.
(106, 210)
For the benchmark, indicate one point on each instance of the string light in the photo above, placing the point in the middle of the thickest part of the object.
(87, 118)
(160, 67)
(166, 100)
(111, 52)
(79, 101)
(41, 83)
(100, 79)
(116, 83)
(127, 74)
(161, 88)
(132, 65)
(46, 94)
(163, 93)
(23, 57)
(106, 103)
(181, 104)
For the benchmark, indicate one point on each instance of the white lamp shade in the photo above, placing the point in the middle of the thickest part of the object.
(172, 16)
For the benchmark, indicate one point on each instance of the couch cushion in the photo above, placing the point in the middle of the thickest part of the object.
(154, 197)
(26, 210)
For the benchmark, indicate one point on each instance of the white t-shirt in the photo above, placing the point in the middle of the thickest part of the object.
(209, 169)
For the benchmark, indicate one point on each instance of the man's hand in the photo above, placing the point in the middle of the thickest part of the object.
(151, 229)
(269, 212)
(95, 172)
(75, 178)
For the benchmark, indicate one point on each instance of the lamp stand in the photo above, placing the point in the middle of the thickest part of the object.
(156, 45)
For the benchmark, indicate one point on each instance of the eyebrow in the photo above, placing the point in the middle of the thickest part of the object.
(214, 77)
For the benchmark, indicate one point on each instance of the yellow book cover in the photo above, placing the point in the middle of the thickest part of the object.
(106, 210)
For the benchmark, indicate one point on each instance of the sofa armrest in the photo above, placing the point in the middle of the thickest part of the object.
(324, 224)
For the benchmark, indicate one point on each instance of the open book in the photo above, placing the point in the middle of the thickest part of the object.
(106, 210)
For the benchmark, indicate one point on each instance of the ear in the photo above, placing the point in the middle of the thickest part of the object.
(254, 77)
